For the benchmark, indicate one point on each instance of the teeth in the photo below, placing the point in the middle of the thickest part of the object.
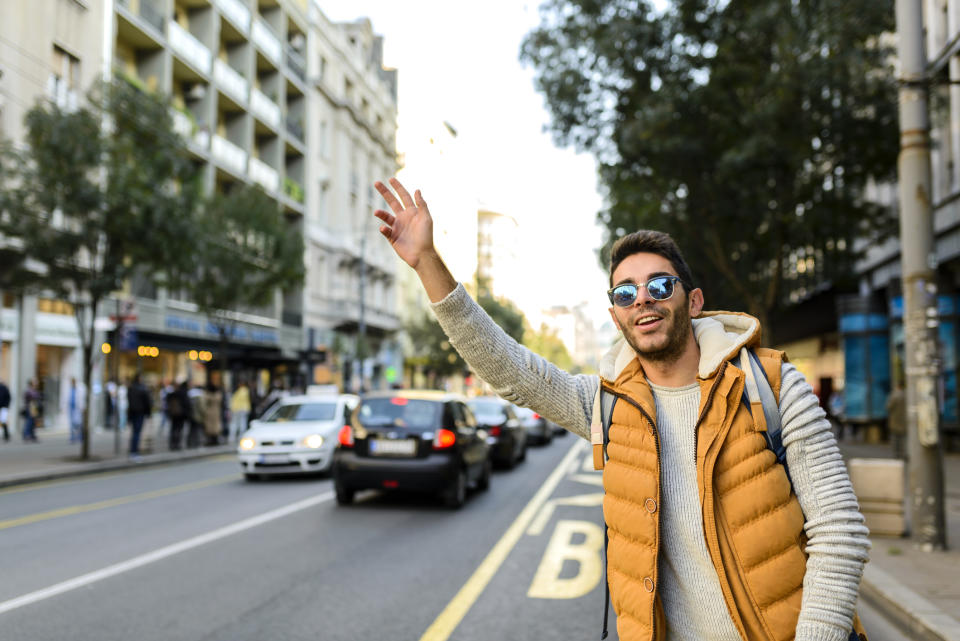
(644, 319)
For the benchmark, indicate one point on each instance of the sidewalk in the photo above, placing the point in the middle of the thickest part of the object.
(55, 457)
(919, 590)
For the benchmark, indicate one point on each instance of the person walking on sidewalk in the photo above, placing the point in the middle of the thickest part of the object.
(708, 539)
(30, 411)
(5, 399)
(178, 410)
(139, 406)
(239, 411)
(212, 403)
(73, 406)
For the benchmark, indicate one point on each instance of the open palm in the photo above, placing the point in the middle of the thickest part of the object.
(409, 228)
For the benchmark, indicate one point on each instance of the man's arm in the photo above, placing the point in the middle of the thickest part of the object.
(837, 545)
(514, 372)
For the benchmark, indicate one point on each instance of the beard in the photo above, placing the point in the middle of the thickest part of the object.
(678, 333)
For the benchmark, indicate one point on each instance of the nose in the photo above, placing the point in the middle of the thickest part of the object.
(643, 297)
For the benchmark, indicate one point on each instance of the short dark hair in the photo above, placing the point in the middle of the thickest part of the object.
(651, 242)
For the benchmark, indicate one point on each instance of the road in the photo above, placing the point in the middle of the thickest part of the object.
(193, 552)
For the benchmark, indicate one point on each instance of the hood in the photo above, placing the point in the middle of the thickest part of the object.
(720, 335)
(291, 429)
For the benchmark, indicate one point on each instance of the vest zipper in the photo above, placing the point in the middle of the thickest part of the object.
(706, 408)
(656, 442)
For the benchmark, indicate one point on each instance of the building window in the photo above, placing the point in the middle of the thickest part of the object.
(63, 85)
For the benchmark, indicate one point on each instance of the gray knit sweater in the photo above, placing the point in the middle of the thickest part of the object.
(838, 543)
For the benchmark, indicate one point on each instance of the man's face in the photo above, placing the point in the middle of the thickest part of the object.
(656, 330)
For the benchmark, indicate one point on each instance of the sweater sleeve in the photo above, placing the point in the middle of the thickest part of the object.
(513, 371)
(837, 544)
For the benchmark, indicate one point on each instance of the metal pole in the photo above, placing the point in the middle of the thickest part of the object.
(918, 262)
(116, 380)
(361, 324)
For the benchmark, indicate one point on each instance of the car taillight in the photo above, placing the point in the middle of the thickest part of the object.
(495, 430)
(345, 436)
(535, 415)
(444, 439)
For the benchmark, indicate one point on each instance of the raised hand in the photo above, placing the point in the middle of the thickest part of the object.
(409, 228)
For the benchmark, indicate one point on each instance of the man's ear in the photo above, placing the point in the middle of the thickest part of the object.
(613, 317)
(696, 302)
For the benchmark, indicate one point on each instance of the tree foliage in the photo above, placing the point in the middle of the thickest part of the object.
(98, 193)
(748, 130)
(546, 342)
(243, 251)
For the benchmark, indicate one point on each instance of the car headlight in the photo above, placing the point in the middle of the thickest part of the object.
(314, 441)
(247, 444)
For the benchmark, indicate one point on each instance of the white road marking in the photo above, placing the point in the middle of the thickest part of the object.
(162, 553)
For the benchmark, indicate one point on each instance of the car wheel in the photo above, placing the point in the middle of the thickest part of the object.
(456, 495)
(252, 477)
(483, 484)
(344, 495)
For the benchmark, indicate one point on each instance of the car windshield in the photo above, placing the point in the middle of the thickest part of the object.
(524, 412)
(399, 412)
(303, 412)
(486, 407)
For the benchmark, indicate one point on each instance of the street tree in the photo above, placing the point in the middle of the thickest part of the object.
(243, 252)
(100, 193)
(750, 131)
(546, 342)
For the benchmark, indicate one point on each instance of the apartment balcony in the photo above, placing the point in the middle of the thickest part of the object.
(229, 155)
(265, 109)
(236, 13)
(296, 63)
(186, 126)
(264, 175)
(295, 129)
(228, 78)
(268, 42)
(188, 47)
(293, 190)
(148, 10)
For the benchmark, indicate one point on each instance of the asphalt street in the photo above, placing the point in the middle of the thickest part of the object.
(194, 552)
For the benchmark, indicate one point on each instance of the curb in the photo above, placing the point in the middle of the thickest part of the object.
(922, 619)
(83, 469)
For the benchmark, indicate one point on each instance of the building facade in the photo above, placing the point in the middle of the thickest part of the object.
(265, 92)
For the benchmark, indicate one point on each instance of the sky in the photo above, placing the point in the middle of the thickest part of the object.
(459, 62)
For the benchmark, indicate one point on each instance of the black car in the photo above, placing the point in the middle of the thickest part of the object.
(539, 429)
(507, 436)
(412, 440)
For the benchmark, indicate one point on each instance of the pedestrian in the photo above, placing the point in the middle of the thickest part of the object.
(212, 402)
(897, 420)
(123, 405)
(30, 411)
(708, 538)
(5, 399)
(239, 411)
(195, 434)
(165, 391)
(139, 406)
(73, 405)
(178, 411)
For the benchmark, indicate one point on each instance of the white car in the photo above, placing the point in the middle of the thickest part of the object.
(297, 435)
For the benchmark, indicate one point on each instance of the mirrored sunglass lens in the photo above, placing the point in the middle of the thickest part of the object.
(660, 288)
(624, 295)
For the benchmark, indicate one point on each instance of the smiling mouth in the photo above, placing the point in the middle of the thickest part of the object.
(647, 320)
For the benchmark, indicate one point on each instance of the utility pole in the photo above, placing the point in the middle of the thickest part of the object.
(918, 265)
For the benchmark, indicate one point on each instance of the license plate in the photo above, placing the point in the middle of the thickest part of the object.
(274, 458)
(405, 447)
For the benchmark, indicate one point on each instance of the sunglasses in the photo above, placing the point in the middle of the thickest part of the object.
(659, 288)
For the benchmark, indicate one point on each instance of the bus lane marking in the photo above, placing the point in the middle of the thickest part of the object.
(452, 615)
(578, 541)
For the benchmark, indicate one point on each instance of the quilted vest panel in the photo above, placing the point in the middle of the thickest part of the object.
(753, 524)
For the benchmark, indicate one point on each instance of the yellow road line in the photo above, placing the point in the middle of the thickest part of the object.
(26, 487)
(100, 505)
(453, 614)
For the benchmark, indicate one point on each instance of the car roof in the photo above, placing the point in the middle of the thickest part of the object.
(416, 394)
(490, 398)
(316, 398)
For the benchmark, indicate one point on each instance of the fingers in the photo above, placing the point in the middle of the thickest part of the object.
(402, 192)
(388, 197)
(386, 231)
(418, 199)
(386, 217)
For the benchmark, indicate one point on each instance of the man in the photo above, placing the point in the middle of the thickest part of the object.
(73, 406)
(4, 409)
(707, 537)
(139, 406)
(30, 411)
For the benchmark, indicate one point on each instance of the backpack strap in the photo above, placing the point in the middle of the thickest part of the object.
(600, 427)
(762, 404)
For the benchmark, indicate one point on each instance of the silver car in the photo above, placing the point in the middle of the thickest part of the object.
(297, 435)
(539, 429)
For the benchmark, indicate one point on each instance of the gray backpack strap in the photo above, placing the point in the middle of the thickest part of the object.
(607, 401)
(771, 411)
